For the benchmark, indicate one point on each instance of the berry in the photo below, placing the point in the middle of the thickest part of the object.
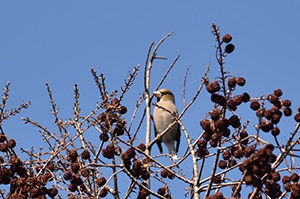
(219, 99)
(287, 112)
(222, 164)
(73, 155)
(234, 121)
(241, 81)
(142, 147)
(101, 181)
(11, 143)
(85, 154)
(213, 87)
(286, 103)
(75, 167)
(297, 117)
(231, 82)
(255, 105)
(227, 38)
(245, 97)
(278, 92)
(275, 131)
(68, 175)
(229, 48)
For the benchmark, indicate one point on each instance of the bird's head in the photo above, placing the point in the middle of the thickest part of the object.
(164, 95)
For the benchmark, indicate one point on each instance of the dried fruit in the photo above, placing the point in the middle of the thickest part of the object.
(231, 105)
(109, 151)
(213, 87)
(145, 175)
(142, 147)
(122, 110)
(11, 143)
(222, 164)
(73, 155)
(234, 121)
(103, 192)
(226, 154)
(72, 187)
(104, 137)
(278, 92)
(287, 112)
(287, 186)
(241, 81)
(231, 82)
(50, 166)
(101, 181)
(295, 177)
(273, 99)
(2, 137)
(275, 176)
(215, 114)
(226, 132)
(217, 179)
(85, 154)
(131, 152)
(164, 173)
(255, 105)
(286, 179)
(248, 151)
(3, 147)
(227, 38)
(229, 48)
(297, 117)
(85, 172)
(219, 99)
(245, 97)
(275, 119)
(76, 180)
(68, 175)
(238, 100)
(52, 192)
(286, 103)
(114, 102)
(205, 124)
(75, 167)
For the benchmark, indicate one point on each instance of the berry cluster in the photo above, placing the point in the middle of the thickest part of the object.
(165, 173)
(24, 183)
(111, 120)
(292, 185)
(269, 118)
(256, 165)
(143, 193)
(164, 191)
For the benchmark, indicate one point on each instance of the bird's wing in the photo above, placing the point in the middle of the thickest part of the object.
(158, 142)
(178, 138)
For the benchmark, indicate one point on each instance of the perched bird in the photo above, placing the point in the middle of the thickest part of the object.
(162, 118)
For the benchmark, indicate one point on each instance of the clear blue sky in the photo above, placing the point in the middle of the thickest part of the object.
(59, 41)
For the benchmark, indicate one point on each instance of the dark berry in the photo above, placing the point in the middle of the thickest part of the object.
(213, 87)
(241, 81)
(229, 48)
(227, 38)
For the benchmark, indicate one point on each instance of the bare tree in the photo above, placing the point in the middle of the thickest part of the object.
(78, 167)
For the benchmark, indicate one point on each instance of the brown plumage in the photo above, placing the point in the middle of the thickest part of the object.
(163, 118)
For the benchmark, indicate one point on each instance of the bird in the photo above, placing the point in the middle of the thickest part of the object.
(162, 118)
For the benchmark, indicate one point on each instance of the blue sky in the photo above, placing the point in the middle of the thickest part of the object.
(58, 42)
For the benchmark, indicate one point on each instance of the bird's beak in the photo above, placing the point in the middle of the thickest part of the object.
(157, 94)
